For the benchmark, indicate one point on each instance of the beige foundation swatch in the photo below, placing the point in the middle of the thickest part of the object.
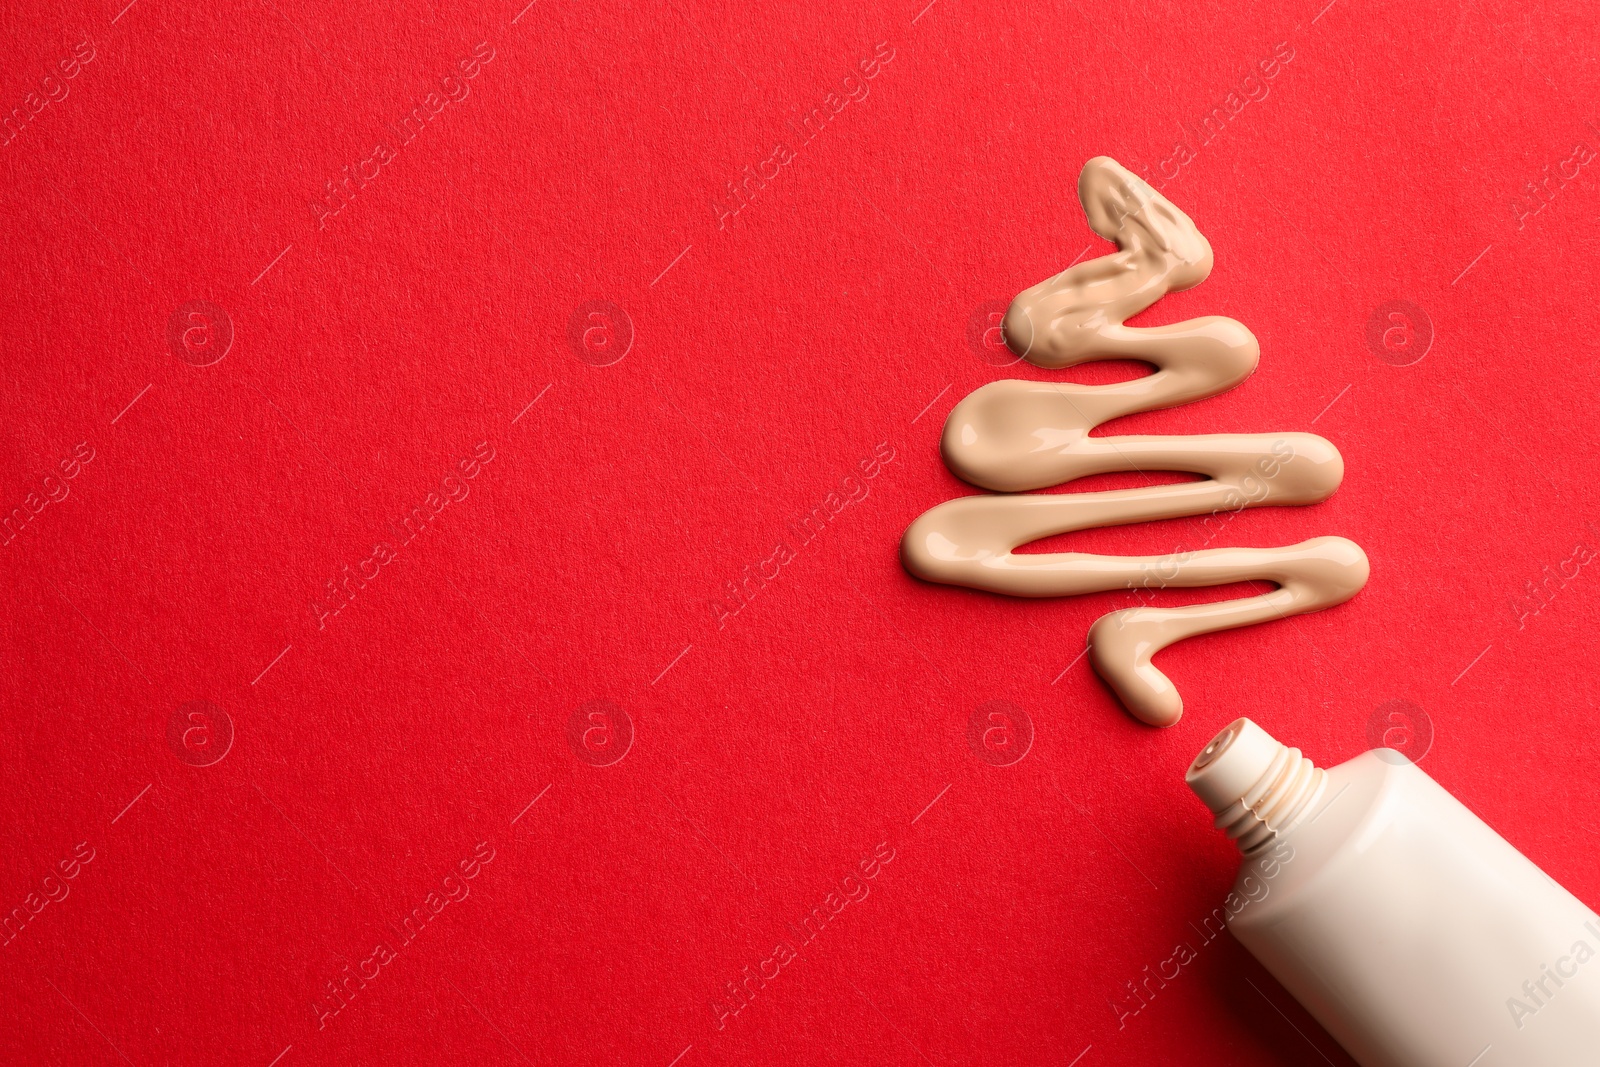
(1018, 435)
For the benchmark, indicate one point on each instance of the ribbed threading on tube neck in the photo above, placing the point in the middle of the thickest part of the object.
(1277, 801)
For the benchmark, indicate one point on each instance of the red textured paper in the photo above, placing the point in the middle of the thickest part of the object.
(769, 357)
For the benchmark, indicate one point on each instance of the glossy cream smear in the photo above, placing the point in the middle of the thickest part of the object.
(1012, 436)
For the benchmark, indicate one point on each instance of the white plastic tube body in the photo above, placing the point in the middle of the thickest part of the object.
(1414, 933)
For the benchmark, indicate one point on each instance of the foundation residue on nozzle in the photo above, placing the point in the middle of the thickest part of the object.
(1014, 436)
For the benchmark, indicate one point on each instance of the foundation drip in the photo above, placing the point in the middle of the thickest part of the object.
(1014, 436)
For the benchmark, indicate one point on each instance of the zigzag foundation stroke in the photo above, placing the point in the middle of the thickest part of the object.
(1011, 436)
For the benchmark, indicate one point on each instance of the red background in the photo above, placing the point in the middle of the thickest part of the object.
(768, 358)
